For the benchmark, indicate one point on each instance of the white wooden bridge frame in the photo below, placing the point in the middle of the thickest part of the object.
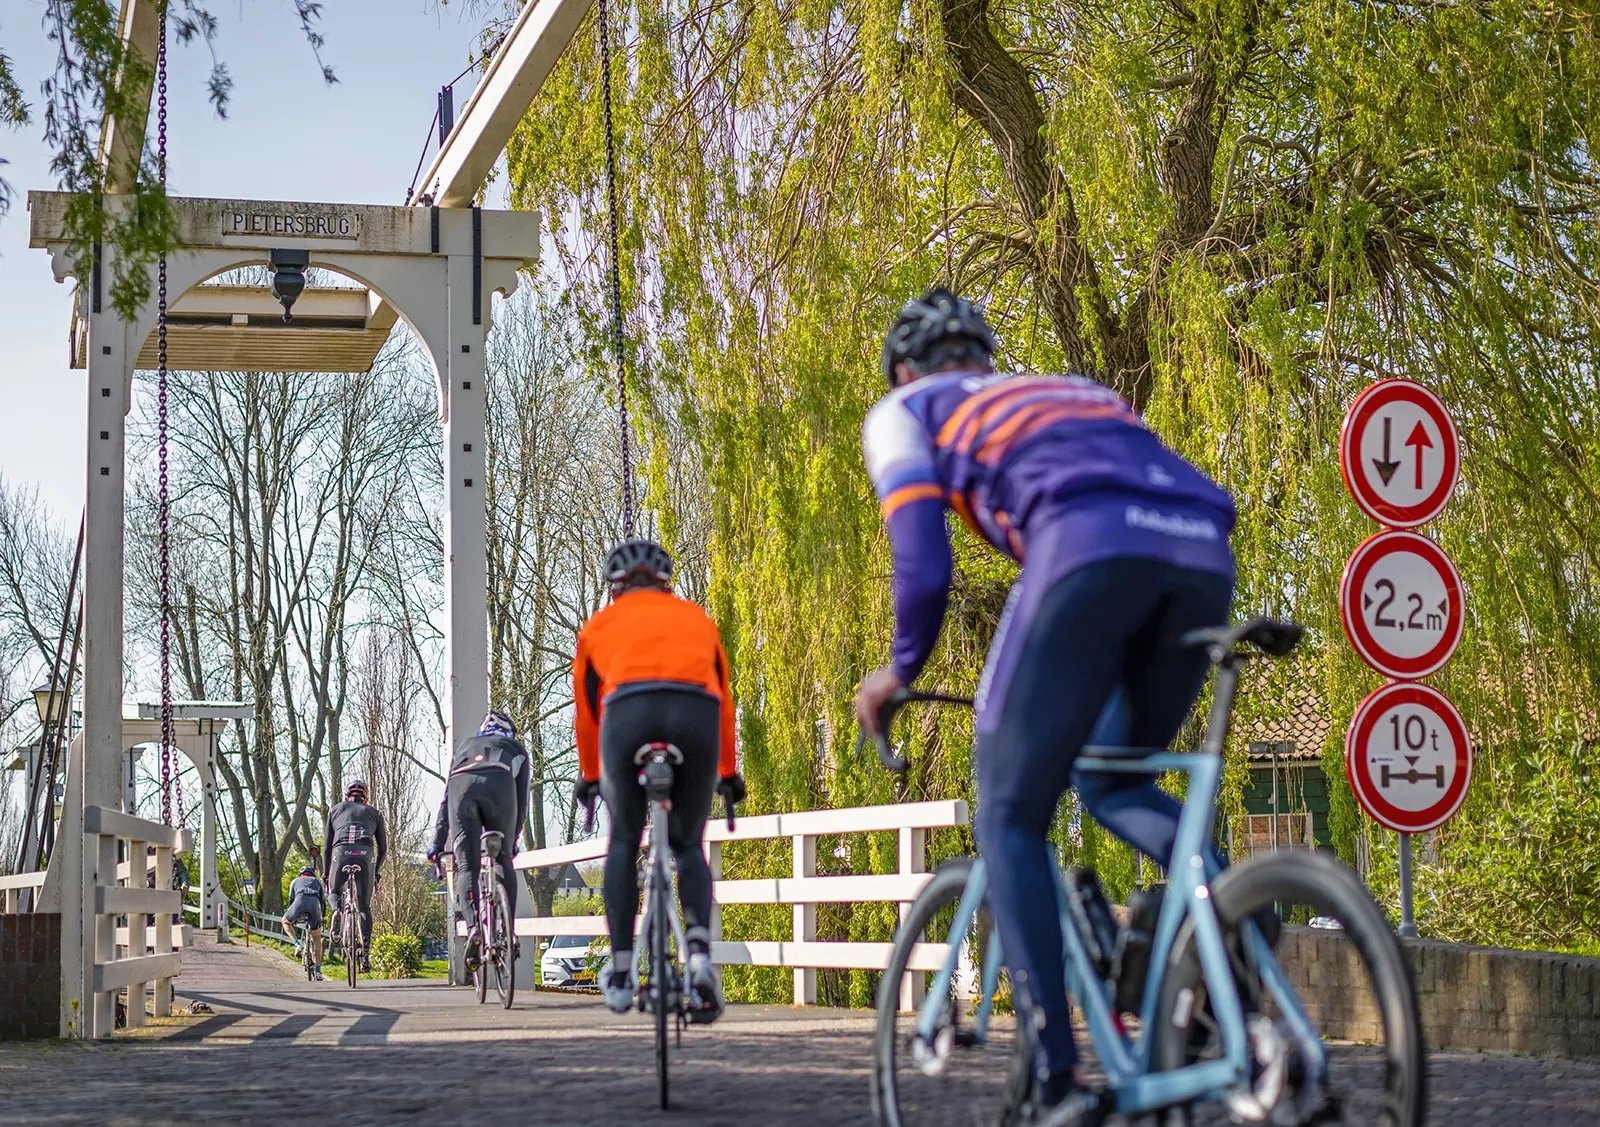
(804, 890)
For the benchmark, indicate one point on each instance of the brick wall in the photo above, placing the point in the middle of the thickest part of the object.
(30, 975)
(1470, 997)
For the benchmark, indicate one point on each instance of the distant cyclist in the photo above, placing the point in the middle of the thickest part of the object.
(487, 790)
(1124, 547)
(308, 903)
(650, 667)
(355, 836)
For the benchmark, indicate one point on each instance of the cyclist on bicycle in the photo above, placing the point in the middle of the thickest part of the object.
(650, 667)
(308, 903)
(487, 790)
(1124, 547)
(355, 835)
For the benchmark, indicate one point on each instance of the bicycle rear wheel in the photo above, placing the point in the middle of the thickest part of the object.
(352, 937)
(660, 978)
(1381, 1082)
(504, 964)
(480, 974)
(954, 1080)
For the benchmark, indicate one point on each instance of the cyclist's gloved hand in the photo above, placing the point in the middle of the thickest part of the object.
(731, 788)
(586, 792)
(433, 855)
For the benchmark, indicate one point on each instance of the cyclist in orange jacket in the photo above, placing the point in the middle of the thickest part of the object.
(650, 667)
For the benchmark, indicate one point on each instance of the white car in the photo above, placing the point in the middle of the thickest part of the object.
(571, 960)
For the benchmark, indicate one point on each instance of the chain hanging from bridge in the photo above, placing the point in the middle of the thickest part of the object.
(163, 499)
(615, 280)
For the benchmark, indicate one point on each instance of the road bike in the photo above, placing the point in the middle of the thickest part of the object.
(662, 992)
(350, 923)
(309, 956)
(1189, 1006)
(496, 947)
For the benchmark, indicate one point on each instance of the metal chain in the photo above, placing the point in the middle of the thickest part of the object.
(163, 507)
(616, 270)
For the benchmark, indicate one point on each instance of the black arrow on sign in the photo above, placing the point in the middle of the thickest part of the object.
(1386, 468)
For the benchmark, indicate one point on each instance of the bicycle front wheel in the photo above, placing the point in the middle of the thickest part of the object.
(1382, 1081)
(953, 1078)
(504, 962)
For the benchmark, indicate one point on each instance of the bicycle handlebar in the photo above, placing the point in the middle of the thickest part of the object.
(886, 714)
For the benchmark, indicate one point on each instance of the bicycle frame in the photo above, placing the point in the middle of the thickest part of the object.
(1126, 1058)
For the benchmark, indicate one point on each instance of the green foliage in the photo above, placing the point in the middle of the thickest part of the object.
(396, 954)
(1240, 212)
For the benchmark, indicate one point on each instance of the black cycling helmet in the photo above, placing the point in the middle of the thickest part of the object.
(937, 330)
(498, 723)
(633, 558)
(356, 788)
(308, 870)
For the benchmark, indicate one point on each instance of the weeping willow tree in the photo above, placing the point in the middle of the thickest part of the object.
(1237, 212)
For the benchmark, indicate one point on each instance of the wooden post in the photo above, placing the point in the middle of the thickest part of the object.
(913, 859)
(714, 860)
(164, 926)
(138, 867)
(805, 920)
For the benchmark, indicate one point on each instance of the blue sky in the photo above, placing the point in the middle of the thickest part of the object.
(287, 136)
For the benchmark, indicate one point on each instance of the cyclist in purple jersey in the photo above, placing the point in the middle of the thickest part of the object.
(1124, 548)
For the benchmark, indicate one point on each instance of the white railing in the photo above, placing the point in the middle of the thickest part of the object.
(12, 888)
(804, 890)
(119, 889)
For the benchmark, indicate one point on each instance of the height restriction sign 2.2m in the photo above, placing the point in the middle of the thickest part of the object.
(1408, 757)
(1399, 453)
(1401, 605)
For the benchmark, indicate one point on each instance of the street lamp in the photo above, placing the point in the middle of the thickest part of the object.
(50, 704)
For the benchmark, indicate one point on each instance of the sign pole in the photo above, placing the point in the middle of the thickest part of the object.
(1408, 919)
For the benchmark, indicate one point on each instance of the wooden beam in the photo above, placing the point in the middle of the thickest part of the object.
(122, 141)
(503, 95)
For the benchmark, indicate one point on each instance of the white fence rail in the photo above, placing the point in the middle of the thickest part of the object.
(13, 889)
(119, 889)
(804, 890)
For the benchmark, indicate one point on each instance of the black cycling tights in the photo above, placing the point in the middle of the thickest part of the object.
(692, 721)
(354, 853)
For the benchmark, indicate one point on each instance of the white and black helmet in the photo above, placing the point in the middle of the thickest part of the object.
(498, 723)
(937, 330)
(633, 558)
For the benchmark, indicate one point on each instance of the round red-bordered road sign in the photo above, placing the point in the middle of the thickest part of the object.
(1408, 757)
(1401, 604)
(1399, 453)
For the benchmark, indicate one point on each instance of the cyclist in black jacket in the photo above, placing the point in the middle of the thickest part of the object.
(487, 790)
(355, 836)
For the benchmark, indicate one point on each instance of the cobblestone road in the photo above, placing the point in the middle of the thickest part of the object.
(419, 1054)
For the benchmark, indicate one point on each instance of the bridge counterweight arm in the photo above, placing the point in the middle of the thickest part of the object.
(515, 75)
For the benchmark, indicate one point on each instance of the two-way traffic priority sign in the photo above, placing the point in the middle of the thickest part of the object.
(1400, 602)
(1408, 757)
(1399, 453)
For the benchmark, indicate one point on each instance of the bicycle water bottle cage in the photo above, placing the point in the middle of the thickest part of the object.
(492, 841)
(656, 779)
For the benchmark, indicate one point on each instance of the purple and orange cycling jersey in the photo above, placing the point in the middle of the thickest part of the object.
(1054, 471)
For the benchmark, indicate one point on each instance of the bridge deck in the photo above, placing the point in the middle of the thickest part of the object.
(278, 1049)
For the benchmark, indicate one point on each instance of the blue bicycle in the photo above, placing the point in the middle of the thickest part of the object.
(1185, 1006)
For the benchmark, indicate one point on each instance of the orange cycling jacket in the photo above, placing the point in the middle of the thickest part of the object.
(647, 635)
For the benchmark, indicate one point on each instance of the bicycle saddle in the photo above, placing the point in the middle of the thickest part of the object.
(1268, 635)
(492, 841)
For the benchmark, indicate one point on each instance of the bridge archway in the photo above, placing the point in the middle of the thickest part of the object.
(437, 267)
